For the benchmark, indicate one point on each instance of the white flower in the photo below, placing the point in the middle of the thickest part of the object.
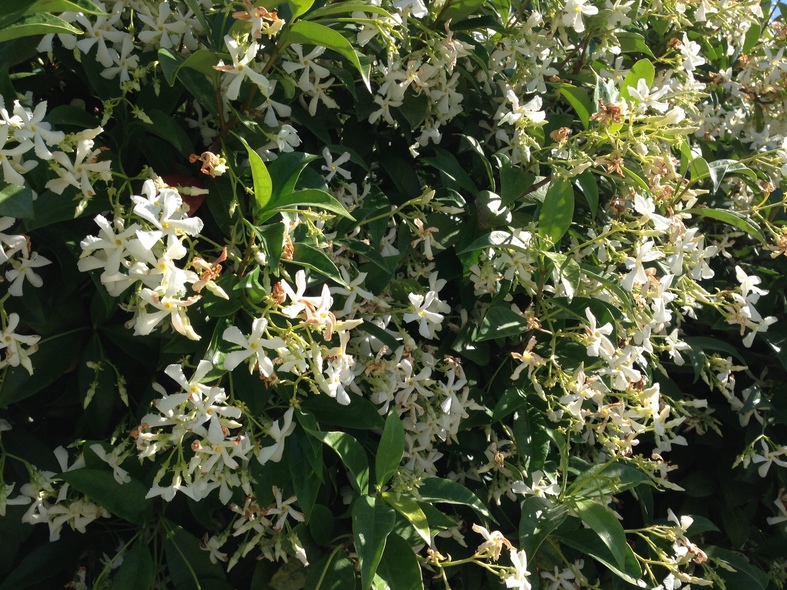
(332, 167)
(23, 269)
(241, 69)
(573, 13)
(278, 434)
(253, 346)
(428, 311)
(12, 343)
(518, 579)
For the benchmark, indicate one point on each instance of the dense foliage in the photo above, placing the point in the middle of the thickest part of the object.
(393, 294)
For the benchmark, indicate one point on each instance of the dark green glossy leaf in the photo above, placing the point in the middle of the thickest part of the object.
(304, 478)
(733, 218)
(285, 172)
(435, 489)
(373, 520)
(608, 528)
(263, 187)
(745, 575)
(313, 198)
(451, 171)
(361, 414)
(188, 565)
(399, 566)
(589, 543)
(531, 436)
(16, 201)
(310, 257)
(557, 210)
(540, 517)
(124, 500)
(351, 453)
(390, 450)
(501, 322)
(55, 354)
(589, 188)
(580, 102)
(335, 572)
(38, 24)
(137, 569)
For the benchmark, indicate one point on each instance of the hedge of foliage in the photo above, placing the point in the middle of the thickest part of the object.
(393, 294)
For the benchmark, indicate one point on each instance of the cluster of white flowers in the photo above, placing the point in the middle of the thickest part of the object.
(145, 255)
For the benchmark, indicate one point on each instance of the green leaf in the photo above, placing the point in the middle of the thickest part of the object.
(745, 575)
(500, 322)
(310, 257)
(752, 37)
(124, 500)
(454, 174)
(642, 70)
(312, 197)
(351, 453)
(263, 187)
(334, 572)
(390, 450)
(531, 437)
(733, 218)
(580, 102)
(361, 414)
(38, 24)
(187, 564)
(608, 528)
(16, 201)
(588, 542)
(50, 362)
(435, 489)
(540, 517)
(459, 10)
(410, 509)
(201, 61)
(633, 43)
(304, 479)
(557, 211)
(43, 562)
(311, 33)
(373, 520)
(718, 169)
(703, 343)
(285, 172)
(512, 399)
(12, 10)
(589, 187)
(165, 127)
(299, 8)
(321, 525)
(399, 567)
(137, 569)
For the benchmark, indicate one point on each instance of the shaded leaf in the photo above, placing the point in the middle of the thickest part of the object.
(124, 500)
(399, 567)
(373, 520)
